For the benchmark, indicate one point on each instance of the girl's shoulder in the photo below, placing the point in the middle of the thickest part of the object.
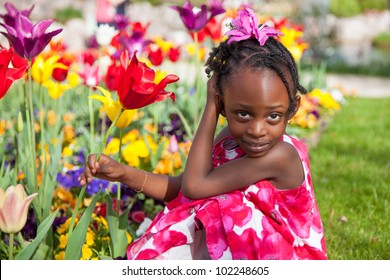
(299, 145)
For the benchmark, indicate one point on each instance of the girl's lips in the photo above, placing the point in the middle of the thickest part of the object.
(256, 147)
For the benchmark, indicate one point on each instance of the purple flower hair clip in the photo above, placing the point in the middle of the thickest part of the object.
(246, 25)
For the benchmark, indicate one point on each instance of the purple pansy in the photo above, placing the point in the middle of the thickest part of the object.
(245, 26)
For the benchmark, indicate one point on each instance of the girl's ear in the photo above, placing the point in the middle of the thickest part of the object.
(297, 103)
(220, 105)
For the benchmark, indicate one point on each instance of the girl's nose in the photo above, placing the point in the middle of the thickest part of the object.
(257, 129)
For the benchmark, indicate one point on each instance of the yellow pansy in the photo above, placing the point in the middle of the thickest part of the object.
(113, 108)
(65, 226)
(63, 241)
(86, 252)
(90, 238)
(130, 136)
(60, 255)
(325, 99)
(67, 152)
(134, 151)
(42, 69)
(112, 147)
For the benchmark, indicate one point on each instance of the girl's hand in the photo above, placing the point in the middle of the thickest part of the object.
(106, 168)
(212, 90)
(214, 95)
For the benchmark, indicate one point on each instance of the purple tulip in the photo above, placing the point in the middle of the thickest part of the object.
(215, 8)
(195, 19)
(135, 43)
(27, 39)
(9, 18)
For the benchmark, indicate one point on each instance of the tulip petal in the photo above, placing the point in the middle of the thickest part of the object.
(13, 211)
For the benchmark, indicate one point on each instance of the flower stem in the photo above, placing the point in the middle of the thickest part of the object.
(91, 123)
(118, 193)
(108, 133)
(11, 246)
(42, 134)
(197, 69)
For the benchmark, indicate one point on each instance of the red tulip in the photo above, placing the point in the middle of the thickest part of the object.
(174, 54)
(112, 77)
(60, 74)
(155, 56)
(137, 87)
(9, 75)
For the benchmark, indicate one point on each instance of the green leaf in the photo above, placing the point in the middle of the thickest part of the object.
(117, 227)
(77, 206)
(77, 237)
(185, 122)
(27, 252)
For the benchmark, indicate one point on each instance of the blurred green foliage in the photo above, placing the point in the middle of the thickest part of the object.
(349, 8)
(63, 15)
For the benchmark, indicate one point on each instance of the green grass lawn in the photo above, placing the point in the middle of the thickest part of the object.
(351, 174)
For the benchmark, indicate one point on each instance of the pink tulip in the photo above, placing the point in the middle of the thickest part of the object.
(13, 208)
(173, 145)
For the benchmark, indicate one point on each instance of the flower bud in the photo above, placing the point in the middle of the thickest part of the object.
(13, 208)
(20, 124)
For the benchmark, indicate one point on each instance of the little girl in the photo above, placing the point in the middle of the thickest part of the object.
(247, 194)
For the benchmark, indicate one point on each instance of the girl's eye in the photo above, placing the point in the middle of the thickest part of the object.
(243, 115)
(274, 117)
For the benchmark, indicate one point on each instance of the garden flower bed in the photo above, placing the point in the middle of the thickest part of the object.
(58, 107)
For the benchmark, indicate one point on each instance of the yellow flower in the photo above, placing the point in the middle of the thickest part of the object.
(73, 79)
(4, 125)
(63, 241)
(65, 226)
(68, 133)
(67, 152)
(129, 237)
(191, 49)
(90, 238)
(86, 252)
(134, 151)
(291, 40)
(159, 75)
(325, 99)
(113, 107)
(130, 136)
(56, 89)
(101, 220)
(152, 145)
(60, 255)
(42, 69)
(164, 45)
(112, 147)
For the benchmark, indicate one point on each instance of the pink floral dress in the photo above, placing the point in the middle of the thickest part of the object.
(256, 222)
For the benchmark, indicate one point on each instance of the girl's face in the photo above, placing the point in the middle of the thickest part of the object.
(256, 107)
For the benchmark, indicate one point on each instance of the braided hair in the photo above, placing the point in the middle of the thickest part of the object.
(226, 58)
